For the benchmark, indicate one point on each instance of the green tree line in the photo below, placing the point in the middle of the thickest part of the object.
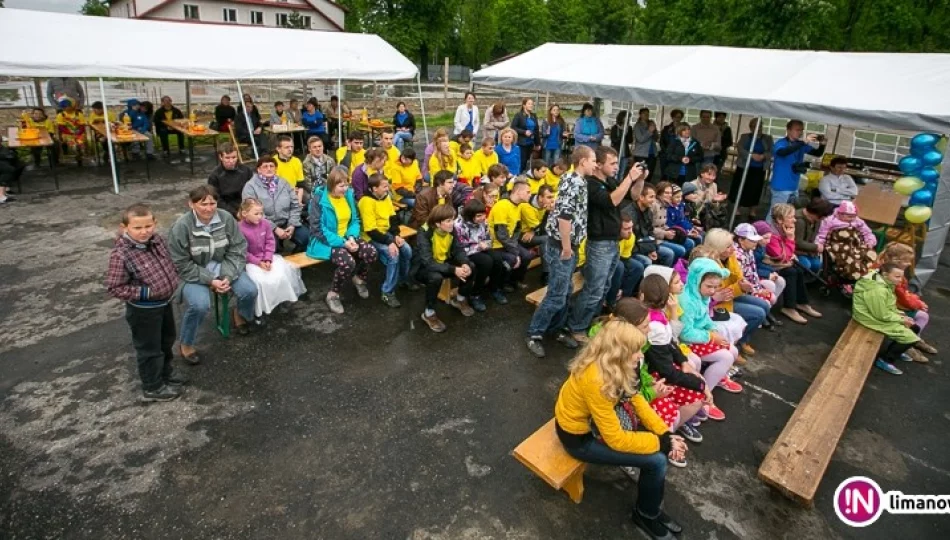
(474, 32)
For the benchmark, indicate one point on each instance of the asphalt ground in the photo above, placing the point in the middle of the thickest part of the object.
(368, 425)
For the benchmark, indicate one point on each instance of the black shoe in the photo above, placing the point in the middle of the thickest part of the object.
(653, 527)
(243, 329)
(499, 297)
(176, 378)
(773, 320)
(193, 359)
(668, 522)
(477, 303)
(565, 338)
(165, 393)
(534, 345)
(509, 288)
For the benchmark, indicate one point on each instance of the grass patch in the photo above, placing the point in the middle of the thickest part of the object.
(446, 119)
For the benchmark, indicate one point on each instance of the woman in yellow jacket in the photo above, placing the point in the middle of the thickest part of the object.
(603, 375)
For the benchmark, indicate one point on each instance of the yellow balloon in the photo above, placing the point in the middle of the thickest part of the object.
(907, 185)
(917, 214)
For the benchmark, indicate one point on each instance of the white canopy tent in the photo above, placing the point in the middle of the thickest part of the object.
(865, 90)
(79, 46)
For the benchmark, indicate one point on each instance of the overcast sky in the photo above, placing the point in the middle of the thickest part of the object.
(64, 6)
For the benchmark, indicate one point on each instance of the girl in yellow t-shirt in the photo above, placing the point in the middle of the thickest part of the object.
(469, 169)
(442, 158)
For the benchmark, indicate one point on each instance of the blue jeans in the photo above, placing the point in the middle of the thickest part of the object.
(626, 277)
(811, 262)
(680, 251)
(779, 197)
(397, 269)
(551, 315)
(401, 138)
(754, 310)
(652, 470)
(552, 156)
(665, 256)
(198, 298)
(602, 257)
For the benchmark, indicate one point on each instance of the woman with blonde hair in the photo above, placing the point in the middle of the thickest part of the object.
(509, 153)
(430, 149)
(780, 255)
(602, 394)
(496, 119)
(442, 158)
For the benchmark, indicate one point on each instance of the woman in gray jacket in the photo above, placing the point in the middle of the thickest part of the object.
(758, 167)
(281, 206)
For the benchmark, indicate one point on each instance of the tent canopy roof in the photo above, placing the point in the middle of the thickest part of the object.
(78, 46)
(880, 90)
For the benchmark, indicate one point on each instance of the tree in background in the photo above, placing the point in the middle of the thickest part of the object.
(97, 8)
(295, 20)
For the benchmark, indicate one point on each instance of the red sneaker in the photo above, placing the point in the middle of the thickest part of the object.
(730, 386)
(715, 413)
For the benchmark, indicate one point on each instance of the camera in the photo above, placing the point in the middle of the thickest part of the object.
(643, 165)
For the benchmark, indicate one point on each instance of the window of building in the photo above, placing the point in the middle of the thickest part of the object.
(230, 15)
(257, 17)
(191, 12)
(306, 21)
(876, 146)
(281, 20)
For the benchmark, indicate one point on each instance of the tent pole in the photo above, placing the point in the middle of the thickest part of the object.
(188, 98)
(422, 105)
(247, 120)
(339, 113)
(745, 170)
(623, 140)
(105, 106)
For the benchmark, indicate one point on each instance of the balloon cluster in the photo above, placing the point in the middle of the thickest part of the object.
(922, 168)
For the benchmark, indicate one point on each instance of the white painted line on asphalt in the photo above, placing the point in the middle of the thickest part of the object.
(761, 390)
(925, 464)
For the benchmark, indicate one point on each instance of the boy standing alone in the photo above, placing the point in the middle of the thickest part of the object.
(141, 273)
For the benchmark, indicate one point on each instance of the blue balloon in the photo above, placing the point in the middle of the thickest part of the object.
(922, 197)
(929, 175)
(932, 158)
(919, 151)
(925, 141)
(909, 165)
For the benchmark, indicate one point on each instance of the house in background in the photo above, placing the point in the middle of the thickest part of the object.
(316, 14)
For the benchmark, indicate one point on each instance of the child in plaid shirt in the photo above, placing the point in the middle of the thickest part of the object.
(141, 273)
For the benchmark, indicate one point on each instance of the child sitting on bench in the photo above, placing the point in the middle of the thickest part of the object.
(849, 241)
(911, 304)
(875, 307)
(438, 256)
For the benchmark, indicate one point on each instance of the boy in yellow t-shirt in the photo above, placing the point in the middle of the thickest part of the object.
(486, 156)
(553, 176)
(353, 154)
(469, 170)
(504, 225)
(39, 120)
(381, 229)
(630, 268)
(406, 178)
(537, 174)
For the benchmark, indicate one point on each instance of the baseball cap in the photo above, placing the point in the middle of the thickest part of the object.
(747, 231)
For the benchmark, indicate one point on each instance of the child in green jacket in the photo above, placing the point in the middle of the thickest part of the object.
(875, 307)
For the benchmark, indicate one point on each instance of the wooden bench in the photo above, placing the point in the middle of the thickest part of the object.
(537, 296)
(544, 455)
(800, 455)
(301, 260)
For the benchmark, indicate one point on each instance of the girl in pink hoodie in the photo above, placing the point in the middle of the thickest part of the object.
(849, 241)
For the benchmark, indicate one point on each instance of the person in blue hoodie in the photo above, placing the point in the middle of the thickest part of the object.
(141, 123)
(588, 130)
(787, 161)
(335, 236)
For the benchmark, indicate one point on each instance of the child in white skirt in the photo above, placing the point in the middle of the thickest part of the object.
(276, 281)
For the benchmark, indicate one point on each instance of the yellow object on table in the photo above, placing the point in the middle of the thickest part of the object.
(28, 134)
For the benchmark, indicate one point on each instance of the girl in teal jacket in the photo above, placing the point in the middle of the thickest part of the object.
(335, 236)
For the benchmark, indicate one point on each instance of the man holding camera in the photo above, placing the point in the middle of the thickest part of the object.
(788, 162)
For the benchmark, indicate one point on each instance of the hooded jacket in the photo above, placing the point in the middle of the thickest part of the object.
(834, 223)
(324, 225)
(139, 121)
(875, 307)
(697, 324)
(193, 248)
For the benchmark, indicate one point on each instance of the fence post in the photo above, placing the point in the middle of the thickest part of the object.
(445, 85)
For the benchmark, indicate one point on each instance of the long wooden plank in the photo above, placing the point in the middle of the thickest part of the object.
(537, 296)
(797, 461)
(301, 260)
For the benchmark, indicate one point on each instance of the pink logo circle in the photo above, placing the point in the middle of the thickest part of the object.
(859, 501)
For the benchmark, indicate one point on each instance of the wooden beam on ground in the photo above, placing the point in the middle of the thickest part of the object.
(798, 459)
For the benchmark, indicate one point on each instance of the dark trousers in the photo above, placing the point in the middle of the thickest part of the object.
(795, 293)
(432, 281)
(891, 350)
(652, 467)
(489, 272)
(526, 152)
(10, 172)
(153, 334)
(516, 275)
(163, 137)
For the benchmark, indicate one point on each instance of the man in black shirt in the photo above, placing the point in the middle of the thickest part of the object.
(229, 178)
(603, 234)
